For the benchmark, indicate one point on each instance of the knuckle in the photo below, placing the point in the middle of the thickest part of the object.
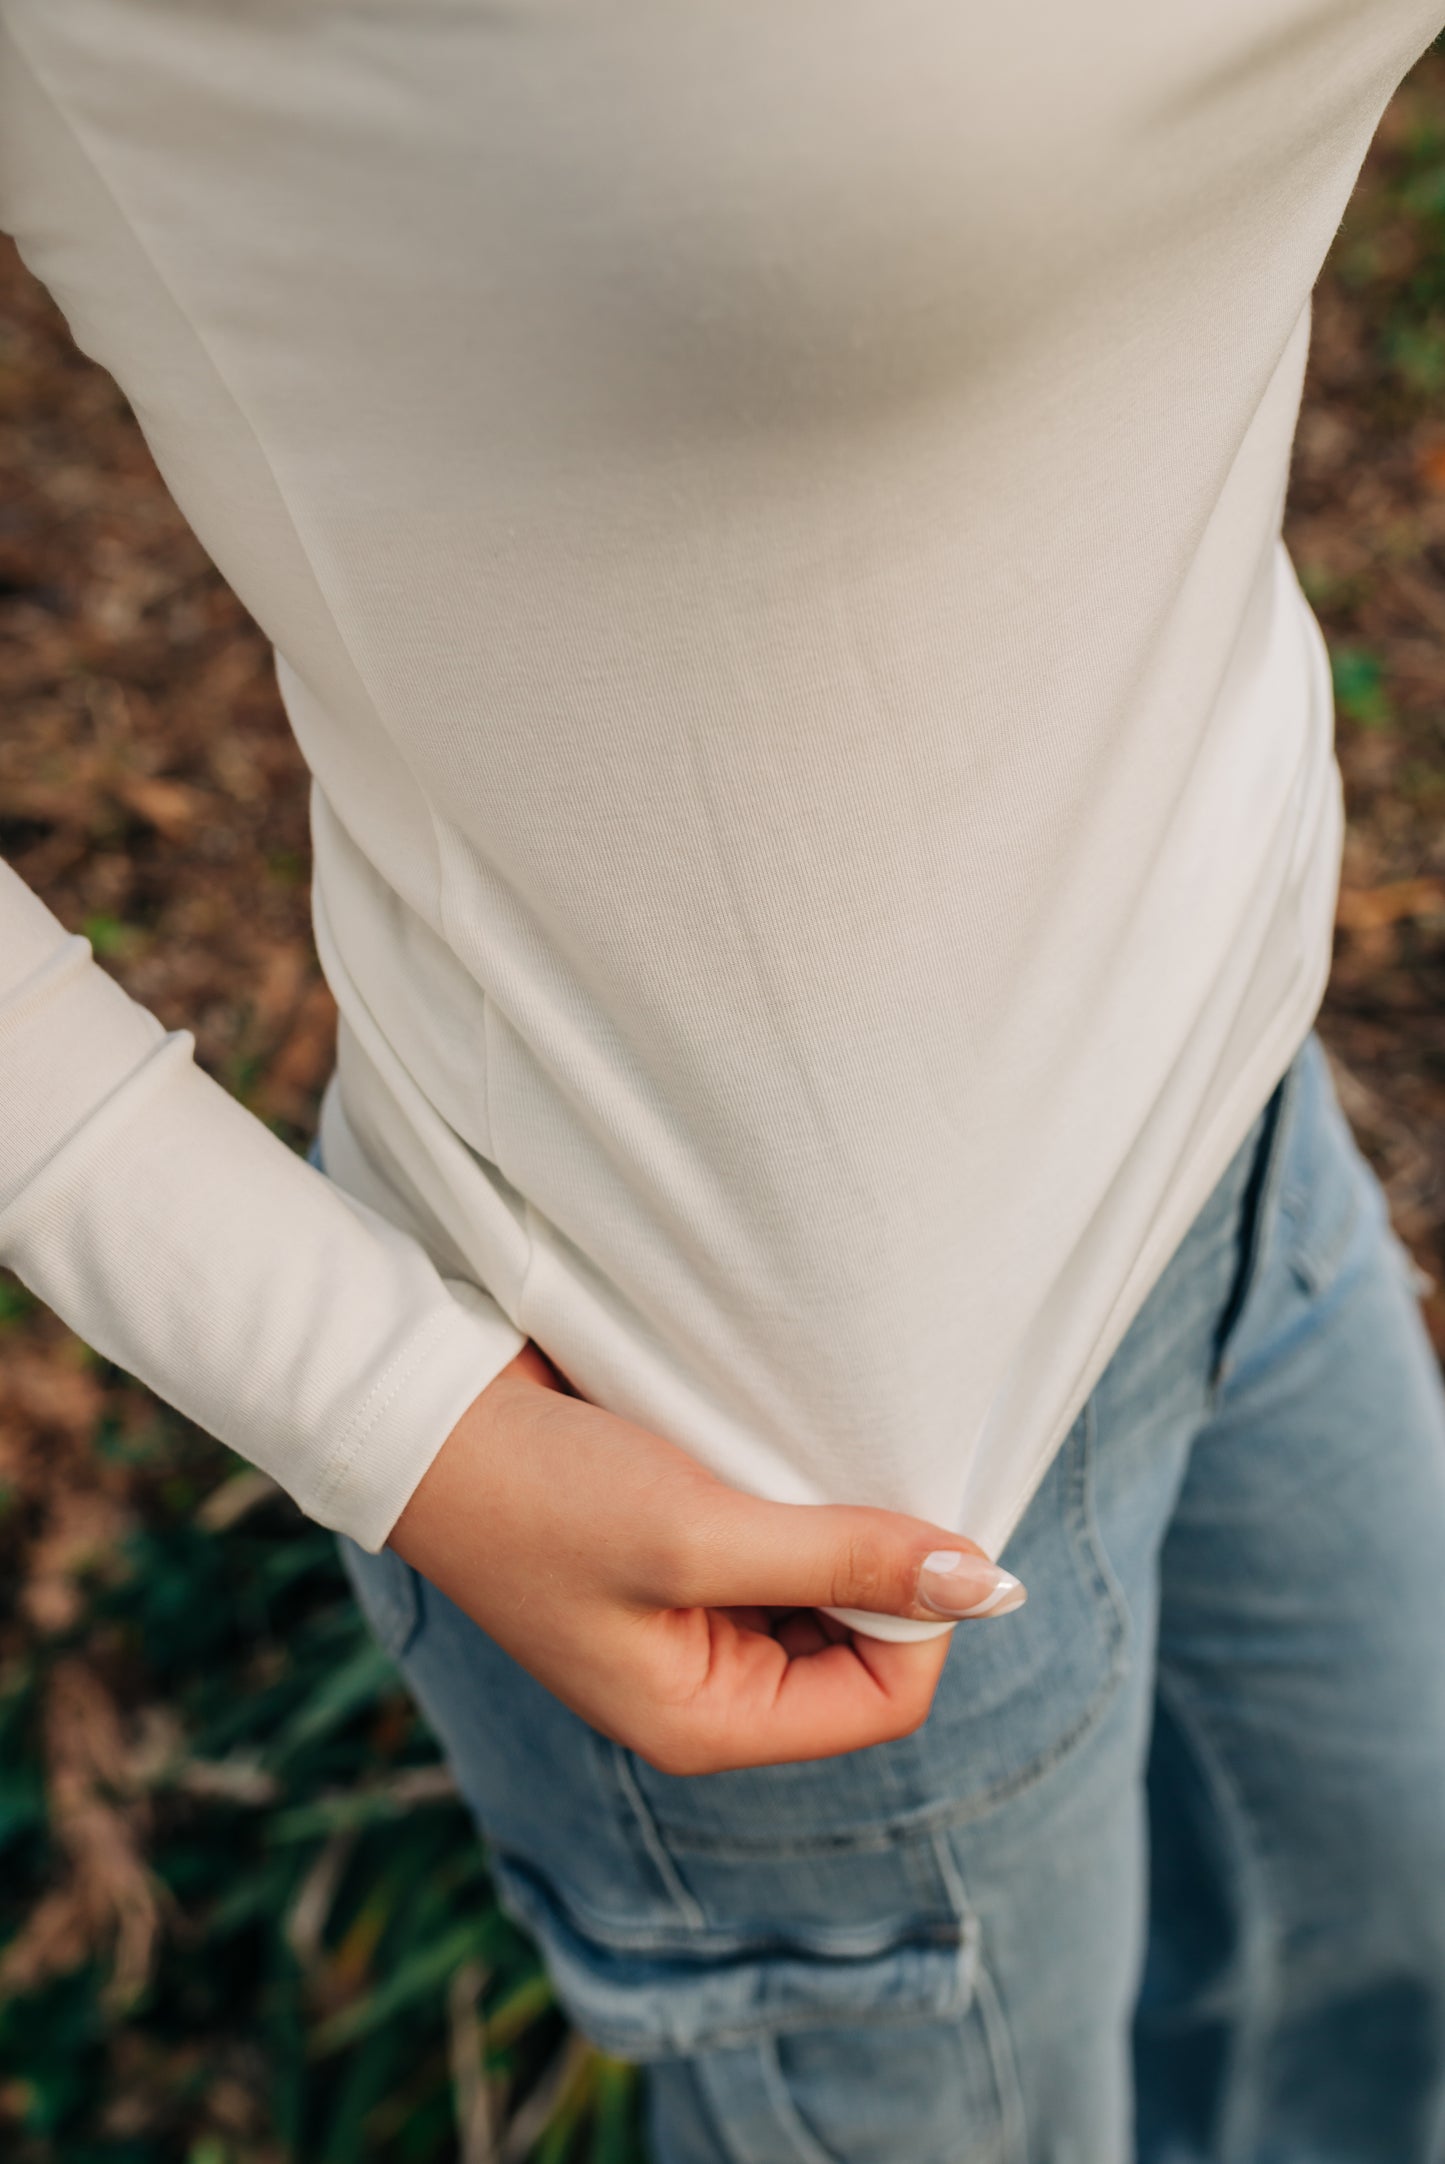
(867, 1575)
(678, 1755)
(677, 1740)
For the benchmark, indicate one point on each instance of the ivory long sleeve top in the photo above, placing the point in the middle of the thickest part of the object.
(825, 817)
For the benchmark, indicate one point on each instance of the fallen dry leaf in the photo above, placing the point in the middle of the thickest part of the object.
(109, 1897)
(1368, 909)
(173, 808)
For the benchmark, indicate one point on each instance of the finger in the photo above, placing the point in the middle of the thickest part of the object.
(762, 1706)
(742, 1552)
(802, 1633)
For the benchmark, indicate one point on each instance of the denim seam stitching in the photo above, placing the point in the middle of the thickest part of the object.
(722, 1848)
(806, 2145)
(1089, 1551)
(966, 1917)
(689, 1908)
(782, 2021)
(1090, 1544)
(407, 1608)
(695, 2074)
(873, 1840)
(978, 1991)
(776, 2021)
(999, 2044)
(1100, 1581)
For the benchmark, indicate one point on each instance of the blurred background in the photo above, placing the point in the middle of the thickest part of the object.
(243, 1919)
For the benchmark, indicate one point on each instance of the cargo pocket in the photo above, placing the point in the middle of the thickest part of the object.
(871, 1929)
(668, 1993)
(791, 2046)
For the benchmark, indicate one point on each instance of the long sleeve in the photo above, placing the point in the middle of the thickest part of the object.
(181, 1238)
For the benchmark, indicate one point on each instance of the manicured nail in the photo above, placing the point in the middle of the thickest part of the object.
(954, 1584)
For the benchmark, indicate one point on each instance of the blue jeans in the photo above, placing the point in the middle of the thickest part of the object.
(1163, 1875)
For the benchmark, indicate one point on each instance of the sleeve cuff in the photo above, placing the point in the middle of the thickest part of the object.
(182, 1239)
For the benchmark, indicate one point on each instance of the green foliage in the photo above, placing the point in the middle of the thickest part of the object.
(1393, 250)
(111, 939)
(16, 1300)
(321, 1886)
(1359, 679)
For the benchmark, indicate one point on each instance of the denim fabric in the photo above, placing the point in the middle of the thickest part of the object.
(1163, 1875)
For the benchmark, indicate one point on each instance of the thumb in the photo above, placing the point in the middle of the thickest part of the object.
(828, 1555)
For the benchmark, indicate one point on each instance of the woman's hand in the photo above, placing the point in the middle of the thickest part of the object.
(670, 1611)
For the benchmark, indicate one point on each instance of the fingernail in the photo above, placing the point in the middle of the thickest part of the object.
(954, 1584)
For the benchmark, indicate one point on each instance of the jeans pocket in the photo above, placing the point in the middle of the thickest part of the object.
(1017, 1697)
(677, 1992)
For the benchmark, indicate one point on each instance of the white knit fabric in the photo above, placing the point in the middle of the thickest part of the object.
(826, 825)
